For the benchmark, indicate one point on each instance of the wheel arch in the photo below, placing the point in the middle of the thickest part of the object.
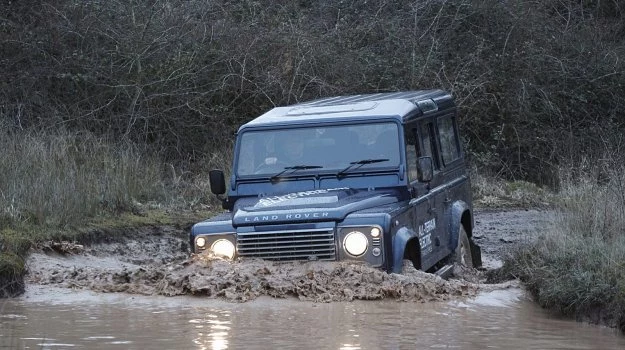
(412, 252)
(461, 214)
(405, 242)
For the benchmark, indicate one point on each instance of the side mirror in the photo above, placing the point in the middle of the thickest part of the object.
(217, 181)
(425, 169)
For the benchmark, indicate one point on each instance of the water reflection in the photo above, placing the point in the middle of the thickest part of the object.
(350, 347)
(496, 320)
(214, 329)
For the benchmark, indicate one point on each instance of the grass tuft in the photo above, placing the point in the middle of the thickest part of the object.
(577, 266)
(493, 192)
(13, 249)
(60, 180)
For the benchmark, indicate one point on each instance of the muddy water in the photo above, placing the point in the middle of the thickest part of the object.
(55, 318)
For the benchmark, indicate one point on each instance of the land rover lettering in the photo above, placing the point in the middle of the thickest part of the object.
(286, 217)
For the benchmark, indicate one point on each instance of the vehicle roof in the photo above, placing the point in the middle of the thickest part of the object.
(398, 105)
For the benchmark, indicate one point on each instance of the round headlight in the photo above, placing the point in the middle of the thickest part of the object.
(223, 248)
(200, 242)
(375, 232)
(355, 243)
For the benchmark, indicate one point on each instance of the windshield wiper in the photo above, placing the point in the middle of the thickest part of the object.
(358, 164)
(293, 169)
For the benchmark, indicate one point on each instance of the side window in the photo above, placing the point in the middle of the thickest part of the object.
(450, 148)
(411, 151)
(428, 148)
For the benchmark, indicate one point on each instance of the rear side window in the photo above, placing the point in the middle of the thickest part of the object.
(428, 148)
(448, 136)
(411, 152)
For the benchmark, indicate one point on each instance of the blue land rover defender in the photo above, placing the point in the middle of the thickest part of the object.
(377, 178)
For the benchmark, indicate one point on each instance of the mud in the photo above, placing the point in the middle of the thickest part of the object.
(498, 231)
(155, 261)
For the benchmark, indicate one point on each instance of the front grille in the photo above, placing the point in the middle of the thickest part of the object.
(288, 245)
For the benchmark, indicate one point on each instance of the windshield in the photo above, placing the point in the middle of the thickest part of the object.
(328, 148)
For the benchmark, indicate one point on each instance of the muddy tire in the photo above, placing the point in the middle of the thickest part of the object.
(462, 254)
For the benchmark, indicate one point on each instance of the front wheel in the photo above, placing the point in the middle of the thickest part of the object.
(462, 255)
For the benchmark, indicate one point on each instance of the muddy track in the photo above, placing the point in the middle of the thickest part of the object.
(497, 231)
(154, 261)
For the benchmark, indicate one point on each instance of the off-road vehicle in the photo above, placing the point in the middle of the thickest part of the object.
(376, 178)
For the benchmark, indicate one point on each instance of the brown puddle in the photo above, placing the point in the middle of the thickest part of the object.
(59, 318)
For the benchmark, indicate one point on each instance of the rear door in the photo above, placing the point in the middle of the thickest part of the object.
(421, 141)
(453, 175)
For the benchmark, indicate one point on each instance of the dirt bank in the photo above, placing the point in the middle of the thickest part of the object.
(155, 261)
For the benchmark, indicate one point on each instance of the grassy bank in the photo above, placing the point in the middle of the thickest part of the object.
(57, 186)
(577, 266)
(490, 191)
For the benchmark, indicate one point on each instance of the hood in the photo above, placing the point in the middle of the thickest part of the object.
(308, 206)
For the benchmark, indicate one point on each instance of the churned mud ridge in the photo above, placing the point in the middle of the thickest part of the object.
(249, 279)
(155, 261)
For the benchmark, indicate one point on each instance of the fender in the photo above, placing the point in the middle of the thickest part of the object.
(401, 238)
(457, 209)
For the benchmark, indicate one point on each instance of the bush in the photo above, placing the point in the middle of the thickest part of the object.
(535, 81)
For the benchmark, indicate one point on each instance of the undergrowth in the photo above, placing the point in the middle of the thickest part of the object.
(577, 266)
